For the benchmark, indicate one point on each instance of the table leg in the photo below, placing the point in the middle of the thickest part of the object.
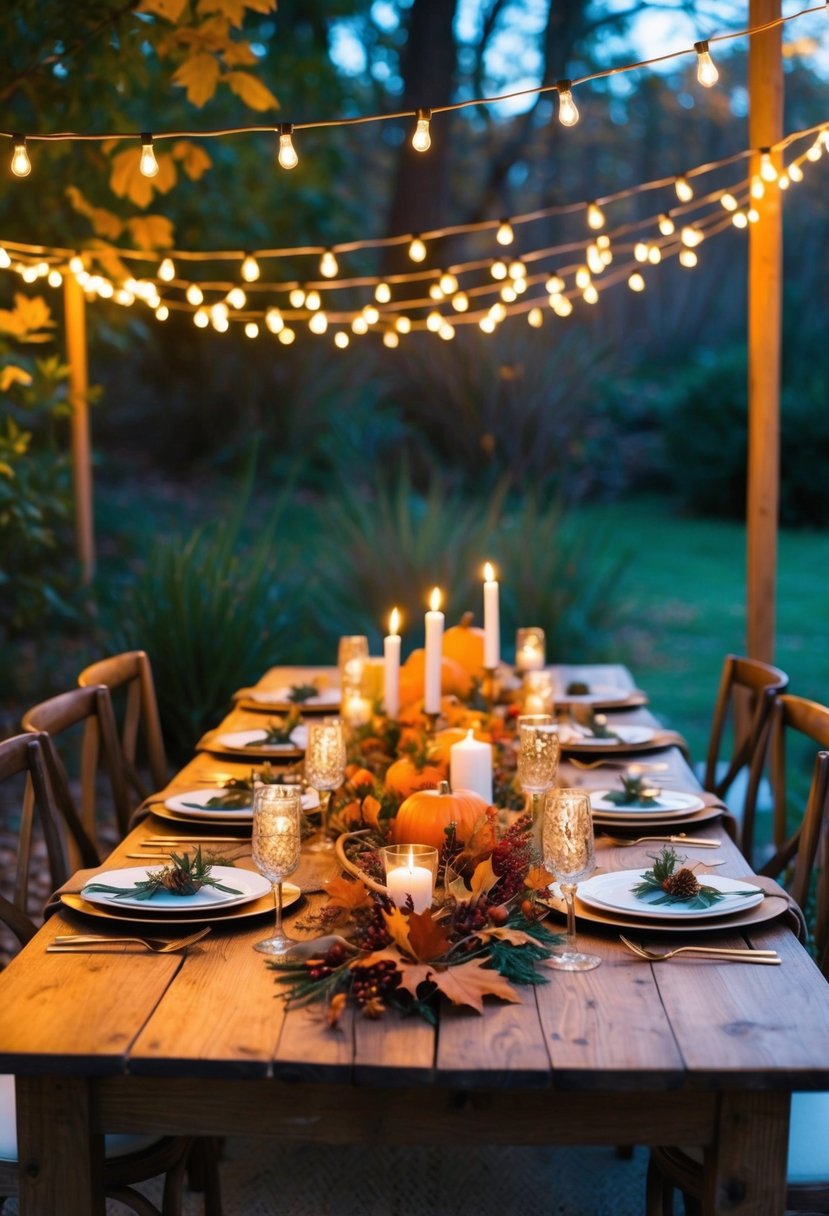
(745, 1168)
(68, 1178)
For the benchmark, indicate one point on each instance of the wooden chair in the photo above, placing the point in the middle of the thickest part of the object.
(799, 860)
(132, 672)
(89, 709)
(744, 699)
(129, 1159)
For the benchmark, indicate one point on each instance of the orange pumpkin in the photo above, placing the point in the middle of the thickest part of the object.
(454, 678)
(422, 818)
(464, 643)
(405, 776)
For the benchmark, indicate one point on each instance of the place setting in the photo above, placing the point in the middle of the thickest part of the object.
(312, 696)
(285, 738)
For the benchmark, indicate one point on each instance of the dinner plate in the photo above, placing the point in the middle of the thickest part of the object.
(279, 699)
(670, 804)
(624, 736)
(263, 906)
(771, 908)
(246, 884)
(252, 743)
(613, 892)
(192, 804)
(688, 819)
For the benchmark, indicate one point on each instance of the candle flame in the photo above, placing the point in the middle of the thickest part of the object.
(394, 621)
(489, 572)
(434, 600)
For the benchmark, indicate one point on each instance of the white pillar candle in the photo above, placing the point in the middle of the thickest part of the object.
(492, 626)
(410, 880)
(434, 655)
(470, 766)
(391, 668)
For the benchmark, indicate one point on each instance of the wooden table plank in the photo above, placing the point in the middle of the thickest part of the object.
(393, 1050)
(504, 1047)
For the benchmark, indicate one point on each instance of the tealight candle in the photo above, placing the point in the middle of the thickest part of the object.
(529, 649)
(434, 654)
(492, 626)
(470, 766)
(356, 710)
(391, 666)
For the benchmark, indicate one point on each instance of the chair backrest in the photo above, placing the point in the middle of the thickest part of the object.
(141, 722)
(744, 699)
(44, 806)
(91, 709)
(798, 855)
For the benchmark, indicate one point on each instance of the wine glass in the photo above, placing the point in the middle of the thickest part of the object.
(325, 759)
(352, 653)
(277, 817)
(539, 749)
(567, 843)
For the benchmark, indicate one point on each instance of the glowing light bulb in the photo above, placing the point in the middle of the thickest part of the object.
(595, 217)
(594, 259)
(636, 282)
(251, 330)
(382, 293)
(768, 172)
(654, 255)
(568, 114)
(815, 151)
(498, 270)
(194, 295)
(219, 316)
(296, 297)
(554, 285)
(728, 201)
(448, 283)
(318, 323)
(148, 164)
(497, 311)
(391, 339)
(460, 301)
(758, 187)
(739, 219)
(666, 225)
(519, 286)
(583, 277)
(329, 267)
(603, 241)
(684, 189)
(691, 237)
(313, 301)
(273, 320)
(535, 318)
(54, 278)
(21, 165)
(435, 291)
(561, 306)
(753, 215)
(29, 275)
(5, 260)
(201, 319)
(795, 172)
(417, 250)
(446, 331)
(688, 258)
(434, 322)
(707, 73)
(487, 324)
(422, 138)
(403, 325)
(236, 298)
(371, 315)
(341, 339)
(640, 251)
(783, 181)
(167, 270)
(505, 234)
(250, 269)
(590, 295)
(162, 312)
(286, 336)
(508, 294)
(287, 155)
(517, 270)
(359, 325)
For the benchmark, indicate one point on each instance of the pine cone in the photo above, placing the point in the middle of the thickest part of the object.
(682, 885)
(180, 883)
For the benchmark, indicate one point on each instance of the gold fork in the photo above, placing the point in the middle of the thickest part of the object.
(72, 943)
(625, 842)
(735, 953)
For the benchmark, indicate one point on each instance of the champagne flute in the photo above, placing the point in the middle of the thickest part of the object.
(567, 841)
(277, 838)
(325, 759)
(539, 749)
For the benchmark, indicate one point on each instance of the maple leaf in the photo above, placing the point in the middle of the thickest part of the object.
(538, 879)
(13, 375)
(126, 179)
(234, 10)
(398, 926)
(348, 895)
(194, 160)
(255, 94)
(238, 55)
(170, 10)
(515, 937)
(104, 223)
(428, 940)
(412, 975)
(468, 983)
(29, 315)
(370, 810)
(484, 878)
(199, 75)
(151, 231)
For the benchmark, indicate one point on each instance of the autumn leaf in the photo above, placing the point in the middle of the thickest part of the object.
(468, 983)
(234, 10)
(126, 179)
(238, 55)
(151, 231)
(370, 810)
(348, 895)
(199, 75)
(336, 1008)
(484, 878)
(515, 937)
(194, 160)
(104, 223)
(255, 94)
(427, 939)
(538, 879)
(170, 10)
(29, 315)
(412, 975)
(398, 926)
(13, 375)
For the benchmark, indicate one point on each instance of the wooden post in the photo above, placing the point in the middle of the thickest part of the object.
(765, 82)
(75, 309)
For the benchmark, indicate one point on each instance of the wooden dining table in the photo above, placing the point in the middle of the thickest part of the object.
(693, 1052)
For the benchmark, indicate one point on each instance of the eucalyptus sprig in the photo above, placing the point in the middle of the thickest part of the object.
(278, 730)
(635, 789)
(185, 875)
(300, 693)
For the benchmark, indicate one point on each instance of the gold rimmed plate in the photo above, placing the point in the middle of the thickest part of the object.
(258, 907)
(253, 743)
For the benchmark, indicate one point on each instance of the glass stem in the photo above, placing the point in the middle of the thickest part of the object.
(325, 799)
(277, 895)
(537, 823)
(568, 890)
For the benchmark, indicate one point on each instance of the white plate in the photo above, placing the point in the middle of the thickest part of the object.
(193, 805)
(249, 885)
(669, 804)
(326, 698)
(251, 741)
(216, 915)
(627, 736)
(613, 892)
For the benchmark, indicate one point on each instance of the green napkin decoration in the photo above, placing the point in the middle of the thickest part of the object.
(278, 730)
(302, 692)
(635, 791)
